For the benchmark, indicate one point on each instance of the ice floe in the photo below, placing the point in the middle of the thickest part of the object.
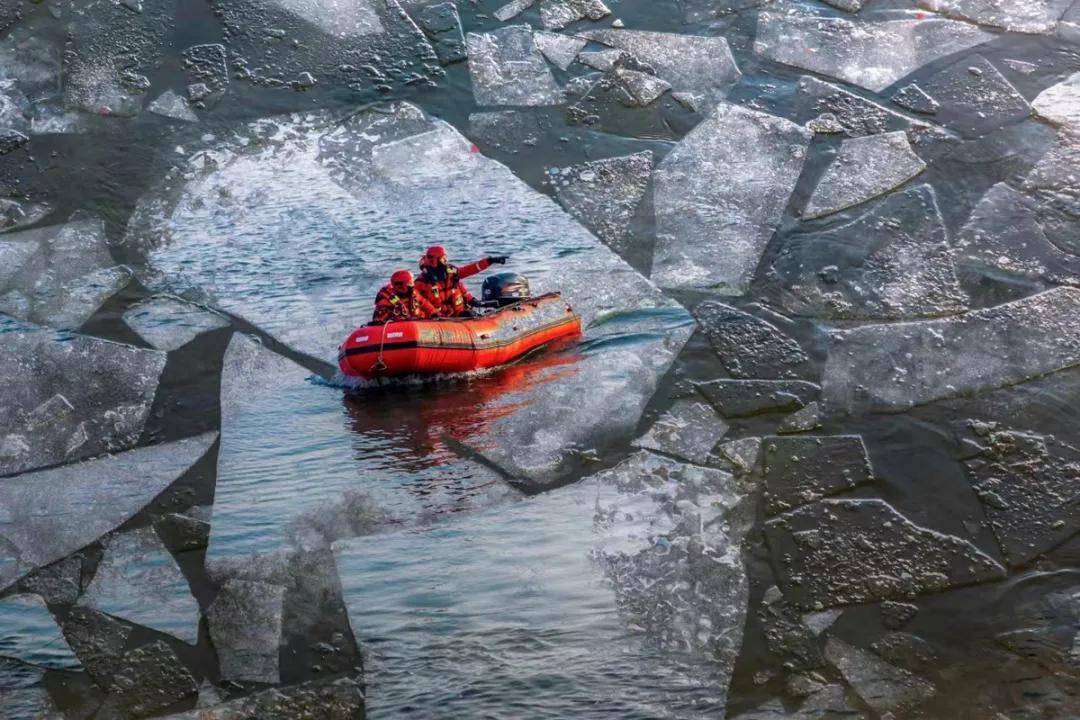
(741, 398)
(245, 625)
(871, 50)
(99, 642)
(974, 97)
(748, 346)
(690, 430)
(882, 686)
(830, 109)
(138, 580)
(893, 262)
(341, 697)
(560, 50)
(843, 552)
(443, 25)
(171, 105)
(169, 323)
(58, 275)
(557, 14)
(1028, 16)
(728, 180)
(507, 68)
(864, 168)
(1060, 103)
(901, 365)
(148, 679)
(52, 413)
(47, 515)
(799, 470)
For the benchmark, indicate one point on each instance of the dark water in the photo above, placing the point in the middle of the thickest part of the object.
(459, 606)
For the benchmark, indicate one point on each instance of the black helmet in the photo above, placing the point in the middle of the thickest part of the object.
(505, 288)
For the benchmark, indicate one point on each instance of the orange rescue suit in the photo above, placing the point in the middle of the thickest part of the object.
(449, 294)
(389, 305)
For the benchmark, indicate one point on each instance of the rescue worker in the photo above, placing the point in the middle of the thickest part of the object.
(440, 282)
(400, 300)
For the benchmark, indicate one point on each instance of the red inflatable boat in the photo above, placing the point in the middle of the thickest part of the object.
(454, 345)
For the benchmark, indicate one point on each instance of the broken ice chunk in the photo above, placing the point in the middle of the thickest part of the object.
(728, 180)
(916, 99)
(842, 552)
(748, 346)
(29, 634)
(49, 514)
(689, 430)
(883, 687)
(1060, 104)
(839, 111)
(512, 9)
(443, 25)
(557, 14)
(148, 680)
(604, 195)
(690, 63)
(872, 51)
(340, 18)
(341, 697)
(743, 453)
(43, 383)
(1027, 484)
(168, 323)
(1027, 16)
(560, 50)
(893, 262)
(138, 580)
(808, 418)
(507, 68)
(863, 169)
(974, 97)
(245, 625)
(799, 470)
(99, 642)
(58, 584)
(207, 66)
(171, 105)
(740, 398)
(58, 275)
(908, 364)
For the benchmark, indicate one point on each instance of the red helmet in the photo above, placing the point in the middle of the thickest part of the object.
(402, 277)
(436, 251)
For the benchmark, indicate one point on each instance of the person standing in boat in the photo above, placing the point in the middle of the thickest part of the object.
(440, 282)
(401, 300)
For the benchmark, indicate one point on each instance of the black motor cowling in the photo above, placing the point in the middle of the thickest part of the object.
(505, 289)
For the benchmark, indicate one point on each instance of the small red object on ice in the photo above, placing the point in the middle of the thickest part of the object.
(473, 148)
(920, 16)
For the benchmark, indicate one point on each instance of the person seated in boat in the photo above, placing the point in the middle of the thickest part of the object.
(440, 282)
(400, 300)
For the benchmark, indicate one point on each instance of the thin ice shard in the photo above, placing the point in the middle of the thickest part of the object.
(689, 430)
(171, 105)
(47, 515)
(245, 624)
(864, 168)
(507, 68)
(728, 180)
(1060, 104)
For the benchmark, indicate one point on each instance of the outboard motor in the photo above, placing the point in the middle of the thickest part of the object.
(505, 289)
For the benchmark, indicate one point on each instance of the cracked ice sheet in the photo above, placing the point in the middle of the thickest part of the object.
(1027, 16)
(507, 68)
(728, 180)
(47, 515)
(695, 64)
(52, 414)
(905, 364)
(138, 580)
(58, 275)
(378, 188)
(864, 168)
(632, 578)
(872, 50)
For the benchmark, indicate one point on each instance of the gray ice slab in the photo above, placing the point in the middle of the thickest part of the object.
(99, 642)
(49, 514)
(557, 14)
(443, 24)
(864, 168)
(740, 398)
(872, 50)
(799, 470)
(377, 188)
(560, 50)
(359, 44)
(148, 680)
(882, 686)
(689, 430)
(169, 323)
(916, 99)
(512, 9)
(29, 634)
(803, 420)
(139, 581)
(1026, 483)
(507, 68)
(749, 347)
(1060, 104)
(690, 63)
(604, 195)
(974, 97)
(52, 413)
(171, 105)
(96, 79)
(59, 583)
(320, 482)
(743, 453)
(341, 697)
(58, 275)
(245, 626)
(507, 130)
(1027, 16)
(906, 364)
(728, 180)
(843, 552)
(599, 574)
(893, 262)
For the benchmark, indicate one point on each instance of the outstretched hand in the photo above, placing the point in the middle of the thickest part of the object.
(498, 259)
